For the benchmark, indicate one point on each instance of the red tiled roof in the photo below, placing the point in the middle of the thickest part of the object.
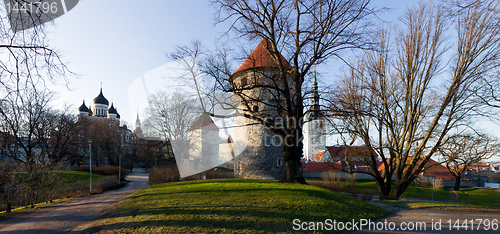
(431, 168)
(319, 156)
(260, 57)
(204, 122)
(351, 151)
(321, 166)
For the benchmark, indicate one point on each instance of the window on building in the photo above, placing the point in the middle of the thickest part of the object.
(243, 82)
(279, 163)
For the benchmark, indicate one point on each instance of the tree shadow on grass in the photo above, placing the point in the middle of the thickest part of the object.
(185, 219)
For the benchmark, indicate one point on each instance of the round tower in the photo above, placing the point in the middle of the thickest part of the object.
(262, 157)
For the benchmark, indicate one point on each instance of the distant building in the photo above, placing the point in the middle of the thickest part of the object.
(314, 127)
(99, 109)
(138, 129)
(204, 142)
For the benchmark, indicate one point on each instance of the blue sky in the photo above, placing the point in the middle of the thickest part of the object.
(116, 42)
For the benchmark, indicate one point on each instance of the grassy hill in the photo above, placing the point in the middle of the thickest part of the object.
(230, 206)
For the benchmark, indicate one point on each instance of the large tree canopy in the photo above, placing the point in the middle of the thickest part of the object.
(306, 33)
(403, 100)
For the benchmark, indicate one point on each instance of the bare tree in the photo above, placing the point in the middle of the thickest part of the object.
(305, 33)
(188, 57)
(171, 115)
(402, 103)
(23, 118)
(60, 136)
(462, 151)
(27, 61)
(10, 184)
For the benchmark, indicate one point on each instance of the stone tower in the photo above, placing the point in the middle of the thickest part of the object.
(263, 155)
(204, 143)
(314, 126)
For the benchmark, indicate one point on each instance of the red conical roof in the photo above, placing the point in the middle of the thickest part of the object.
(261, 58)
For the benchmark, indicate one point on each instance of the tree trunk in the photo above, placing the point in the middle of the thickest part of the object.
(457, 183)
(291, 158)
(9, 206)
(398, 190)
(383, 190)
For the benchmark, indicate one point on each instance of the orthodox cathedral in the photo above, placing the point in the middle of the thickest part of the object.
(99, 112)
(99, 109)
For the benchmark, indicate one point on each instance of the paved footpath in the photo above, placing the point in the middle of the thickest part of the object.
(73, 215)
(428, 221)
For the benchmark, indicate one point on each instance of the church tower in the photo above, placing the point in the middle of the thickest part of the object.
(262, 157)
(138, 130)
(314, 126)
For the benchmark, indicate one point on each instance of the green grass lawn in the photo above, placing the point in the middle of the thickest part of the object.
(480, 197)
(230, 206)
(468, 198)
(74, 176)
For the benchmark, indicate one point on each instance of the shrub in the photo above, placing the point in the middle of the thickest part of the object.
(331, 177)
(219, 173)
(428, 181)
(163, 175)
(351, 178)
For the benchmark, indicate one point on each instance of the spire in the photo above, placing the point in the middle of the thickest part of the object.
(138, 130)
(137, 121)
(315, 82)
(315, 95)
(314, 110)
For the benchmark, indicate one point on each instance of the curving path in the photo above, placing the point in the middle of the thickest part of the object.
(432, 221)
(73, 215)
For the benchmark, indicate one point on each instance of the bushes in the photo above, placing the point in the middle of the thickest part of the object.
(106, 170)
(333, 181)
(171, 174)
(428, 181)
(29, 188)
(163, 175)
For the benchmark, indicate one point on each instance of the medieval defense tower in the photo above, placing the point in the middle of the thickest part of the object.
(262, 157)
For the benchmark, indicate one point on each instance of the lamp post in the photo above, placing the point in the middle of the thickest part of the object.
(120, 169)
(90, 163)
